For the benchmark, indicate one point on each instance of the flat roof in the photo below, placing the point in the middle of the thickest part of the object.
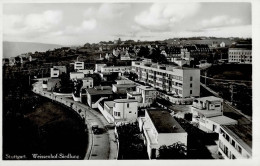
(164, 122)
(208, 113)
(133, 93)
(146, 87)
(76, 73)
(87, 78)
(104, 87)
(93, 91)
(241, 133)
(209, 98)
(222, 120)
(125, 100)
(124, 85)
(110, 104)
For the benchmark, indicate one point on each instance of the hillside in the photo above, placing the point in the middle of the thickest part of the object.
(12, 49)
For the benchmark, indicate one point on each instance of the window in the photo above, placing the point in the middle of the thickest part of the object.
(239, 149)
(127, 105)
(190, 91)
(191, 85)
(233, 143)
(190, 78)
(227, 138)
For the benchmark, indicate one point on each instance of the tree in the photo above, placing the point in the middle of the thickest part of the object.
(175, 151)
(144, 52)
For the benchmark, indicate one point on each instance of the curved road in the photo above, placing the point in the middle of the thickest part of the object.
(100, 147)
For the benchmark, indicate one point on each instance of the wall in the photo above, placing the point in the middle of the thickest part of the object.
(105, 113)
(195, 74)
(125, 113)
(76, 76)
(170, 138)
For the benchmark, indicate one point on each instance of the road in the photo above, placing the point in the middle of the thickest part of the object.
(100, 147)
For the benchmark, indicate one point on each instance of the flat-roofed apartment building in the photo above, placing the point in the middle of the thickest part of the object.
(181, 81)
(235, 141)
(240, 53)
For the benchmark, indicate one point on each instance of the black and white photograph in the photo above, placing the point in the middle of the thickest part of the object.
(122, 80)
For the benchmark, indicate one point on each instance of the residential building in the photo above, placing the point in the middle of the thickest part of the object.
(180, 81)
(87, 82)
(98, 67)
(79, 65)
(160, 128)
(125, 110)
(222, 44)
(122, 86)
(148, 93)
(240, 53)
(76, 75)
(97, 94)
(235, 141)
(86, 71)
(56, 71)
(208, 114)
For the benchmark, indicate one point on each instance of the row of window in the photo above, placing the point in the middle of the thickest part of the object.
(116, 113)
(231, 141)
(241, 53)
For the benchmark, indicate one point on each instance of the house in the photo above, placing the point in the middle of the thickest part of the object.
(222, 44)
(147, 95)
(235, 141)
(97, 94)
(78, 65)
(208, 114)
(87, 82)
(180, 81)
(122, 86)
(56, 71)
(76, 75)
(86, 71)
(98, 67)
(125, 110)
(160, 128)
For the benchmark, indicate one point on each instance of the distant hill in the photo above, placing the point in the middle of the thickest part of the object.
(13, 49)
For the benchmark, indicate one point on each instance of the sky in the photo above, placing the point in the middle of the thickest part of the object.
(77, 24)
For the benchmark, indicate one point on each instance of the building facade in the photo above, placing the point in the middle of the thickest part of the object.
(235, 141)
(183, 82)
(160, 128)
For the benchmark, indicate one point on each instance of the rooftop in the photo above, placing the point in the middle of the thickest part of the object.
(110, 104)
(164, 122)
(209, 98)
(222, 120)
(208, 113)
(145, 87)
(87, 78)
(93, 91)
(241, 133)
(76, 73)
(125, 100)
(124, 85)
(103, 87)
(133, 93)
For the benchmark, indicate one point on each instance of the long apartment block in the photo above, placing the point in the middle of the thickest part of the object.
(181, 81)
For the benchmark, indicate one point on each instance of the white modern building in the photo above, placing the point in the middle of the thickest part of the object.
(119, 110)
(160, 128)
(123, 86)
(208, 113)
(181, 81)
(76, 75)
(57, 70)
(235, 141)
(86, 71)
(240, 53)
(79, 65)
(87, 82)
